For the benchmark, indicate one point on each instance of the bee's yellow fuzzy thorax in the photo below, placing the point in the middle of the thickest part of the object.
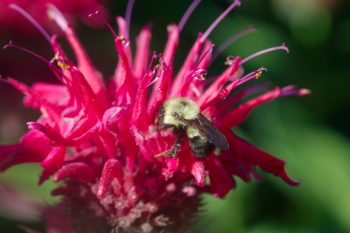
(177, 108)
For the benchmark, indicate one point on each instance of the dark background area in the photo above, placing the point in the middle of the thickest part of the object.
(310, 133)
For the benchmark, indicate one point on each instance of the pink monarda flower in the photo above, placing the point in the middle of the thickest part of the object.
(121, 169)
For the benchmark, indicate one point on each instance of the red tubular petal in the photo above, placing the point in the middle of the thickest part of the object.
(221, 182)
(123, 77)
(235, 165)
(76, 83)
(32, 99)
(112, 116)
(78, 170)
(53, 94)
(112, 169)
(109, 143)
(91, 75)
(142, 52)
(37, 140)
(241, 94)
(222, 94)
(189, 80)
(93, 78)
(255, 156)
(195, 87)
(46, 130)
(239, 114)
(52, 163)
(205, 56)
(82, 129)
(171, 45)
(219, 83)
(36, 100)
(72, 138)
(122, 52)
(40, 96)
(160, 89)
(139, 110)
(124, 32)
(59, 54)
(187, 66)
(33, 148)
(83, 98)
(11, 155)
(82, 90)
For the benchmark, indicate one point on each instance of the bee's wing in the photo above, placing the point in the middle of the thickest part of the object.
(213, 135)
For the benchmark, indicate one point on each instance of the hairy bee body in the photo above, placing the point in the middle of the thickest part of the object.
(179, 108)
(184, 118)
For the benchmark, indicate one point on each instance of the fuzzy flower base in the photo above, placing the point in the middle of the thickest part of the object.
(119, 170)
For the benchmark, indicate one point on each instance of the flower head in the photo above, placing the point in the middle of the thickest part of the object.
(121, 167)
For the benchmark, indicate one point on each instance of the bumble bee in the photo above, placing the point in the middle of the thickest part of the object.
(184, 118)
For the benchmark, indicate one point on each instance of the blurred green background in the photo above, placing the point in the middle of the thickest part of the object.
(310, 133)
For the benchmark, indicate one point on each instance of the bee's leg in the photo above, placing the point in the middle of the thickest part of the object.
(175, 149)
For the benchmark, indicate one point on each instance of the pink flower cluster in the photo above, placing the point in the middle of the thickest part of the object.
(101, 139)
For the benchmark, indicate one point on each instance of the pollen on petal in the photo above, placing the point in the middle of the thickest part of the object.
(198, 172)
(112, 169)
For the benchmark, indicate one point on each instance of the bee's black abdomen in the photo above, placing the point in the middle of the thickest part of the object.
(200, 146)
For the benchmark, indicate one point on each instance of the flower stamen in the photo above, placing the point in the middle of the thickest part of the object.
(63, 65)
(236, 3)
(128, 14)
(11, 45)
(255, 74)
(206, 53)
(123, 40)
(104, 21)
(187, 14)
(292, 90)
(231, 40)
(35, 23)
(56, 15)
(258, 75)
(153, 59)
(281, 47)
(230, 60)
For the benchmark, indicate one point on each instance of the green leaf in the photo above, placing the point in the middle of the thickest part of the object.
(26, 178)
(316, 155)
